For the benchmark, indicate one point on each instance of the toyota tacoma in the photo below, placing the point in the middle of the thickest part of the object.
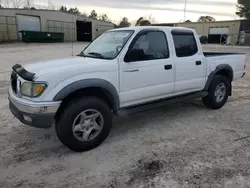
(123, 71)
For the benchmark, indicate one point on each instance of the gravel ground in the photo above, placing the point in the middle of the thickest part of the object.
(180, 145)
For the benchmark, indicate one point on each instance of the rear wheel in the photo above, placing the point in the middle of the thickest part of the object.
(84, 124)
(218, 93)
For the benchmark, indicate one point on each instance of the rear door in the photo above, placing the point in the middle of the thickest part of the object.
(146, 70)
(189, 61)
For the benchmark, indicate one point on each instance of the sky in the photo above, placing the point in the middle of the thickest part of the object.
(161, 11)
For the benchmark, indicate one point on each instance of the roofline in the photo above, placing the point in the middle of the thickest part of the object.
(150, 27)
(225, 21)
(44, 10)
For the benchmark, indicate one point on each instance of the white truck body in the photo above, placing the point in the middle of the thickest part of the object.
(135, 82)
(150, 83)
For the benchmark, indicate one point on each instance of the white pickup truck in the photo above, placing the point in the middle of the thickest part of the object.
(123, 71)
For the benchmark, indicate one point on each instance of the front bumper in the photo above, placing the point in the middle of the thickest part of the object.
(36, 114)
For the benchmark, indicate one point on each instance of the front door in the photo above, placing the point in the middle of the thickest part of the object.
(146, 71)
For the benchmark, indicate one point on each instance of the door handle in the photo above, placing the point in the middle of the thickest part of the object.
(132, 70)
(198, 62)
(168, 67)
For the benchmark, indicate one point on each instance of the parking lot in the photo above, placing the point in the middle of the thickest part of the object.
(180, 145)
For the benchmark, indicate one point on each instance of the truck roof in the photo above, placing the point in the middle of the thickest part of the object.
(138, 28)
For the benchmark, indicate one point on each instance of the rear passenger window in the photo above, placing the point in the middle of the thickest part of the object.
(185, 45)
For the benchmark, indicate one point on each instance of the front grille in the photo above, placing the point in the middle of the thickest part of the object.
(13, 79)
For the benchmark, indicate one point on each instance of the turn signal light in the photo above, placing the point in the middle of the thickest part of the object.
(39, 89)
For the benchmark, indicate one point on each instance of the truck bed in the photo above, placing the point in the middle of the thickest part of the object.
(234, 60)
(209, 54)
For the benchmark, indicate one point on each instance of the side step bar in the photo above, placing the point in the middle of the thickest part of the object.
(159, 103)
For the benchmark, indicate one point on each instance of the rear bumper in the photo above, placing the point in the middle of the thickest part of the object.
(36, 114)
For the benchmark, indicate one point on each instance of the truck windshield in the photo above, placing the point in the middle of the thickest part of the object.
(108, 45)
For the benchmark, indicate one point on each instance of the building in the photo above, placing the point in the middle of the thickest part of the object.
(74, 27)
(219, 32)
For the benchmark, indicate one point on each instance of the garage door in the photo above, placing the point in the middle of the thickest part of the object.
(219, 31)
(29, 23)
(218, 35)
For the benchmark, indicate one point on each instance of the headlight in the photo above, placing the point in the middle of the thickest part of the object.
(33, 89)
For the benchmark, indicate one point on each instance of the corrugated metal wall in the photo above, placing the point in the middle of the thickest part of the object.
(204, 28)
(8, 28)
(52, 21)
(103, 28)
(68, 28)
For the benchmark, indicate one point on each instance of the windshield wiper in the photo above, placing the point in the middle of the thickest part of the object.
(81, 54)
(96, 54)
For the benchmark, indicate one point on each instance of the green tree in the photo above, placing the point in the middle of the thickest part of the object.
(206, 19)
(74, 11)
(63, 9)
(17, 3)
(104, 17)
(150, 18)
(145, 23)
(138, 22)
(188, 21)
(28, 3)
(124, 22)
(142, 22)
(243, 9)
(93, 14)
(6, 3)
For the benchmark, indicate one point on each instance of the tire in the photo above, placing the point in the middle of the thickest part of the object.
(67, 126)
(213, 102)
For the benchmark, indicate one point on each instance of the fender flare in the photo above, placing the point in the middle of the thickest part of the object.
(222, 67)
(88, 83)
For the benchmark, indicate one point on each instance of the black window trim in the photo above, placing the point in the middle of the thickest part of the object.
(140, 33)
(182, 32)
(177, 32)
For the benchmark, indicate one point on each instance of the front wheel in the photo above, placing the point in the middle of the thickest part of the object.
(218, 93)
(84, 124)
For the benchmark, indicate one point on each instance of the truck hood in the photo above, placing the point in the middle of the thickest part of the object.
(74, 64)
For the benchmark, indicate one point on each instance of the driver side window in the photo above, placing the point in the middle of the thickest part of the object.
(148, 46)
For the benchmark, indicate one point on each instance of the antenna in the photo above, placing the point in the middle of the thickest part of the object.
(72, 35)
(185, 9)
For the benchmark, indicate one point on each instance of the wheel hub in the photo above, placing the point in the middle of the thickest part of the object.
(220, 92)
(88, 125)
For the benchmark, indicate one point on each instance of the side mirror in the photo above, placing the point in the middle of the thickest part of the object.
(134, 55)
(203, 39)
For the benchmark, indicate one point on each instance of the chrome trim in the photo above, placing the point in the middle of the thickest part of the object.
(34, 107)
